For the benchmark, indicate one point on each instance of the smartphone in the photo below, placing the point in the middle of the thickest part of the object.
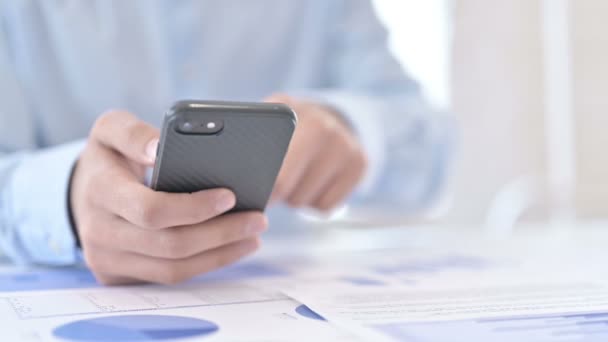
(214, 144)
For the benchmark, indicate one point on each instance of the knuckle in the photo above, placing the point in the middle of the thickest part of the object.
(104, 120)
(101, 122)
(325, 126)
(146, 213)
(132, 131)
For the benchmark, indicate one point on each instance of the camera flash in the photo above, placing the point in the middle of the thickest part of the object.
(211, 125)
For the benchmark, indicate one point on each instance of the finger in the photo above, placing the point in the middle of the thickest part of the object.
(114, 280)
(343, 184)
(119, 192)
(296, 161)
(128, 135)
(146, 208)
(282, 182)
(305, 145)
(112, 264)
(322, 170)
(177, 242)
(281, 98)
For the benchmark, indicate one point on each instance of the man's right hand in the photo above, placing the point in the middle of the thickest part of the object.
(130, 233)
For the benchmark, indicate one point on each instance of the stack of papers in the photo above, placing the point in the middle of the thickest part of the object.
(532, 288)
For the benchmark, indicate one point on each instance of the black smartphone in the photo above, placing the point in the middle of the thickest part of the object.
(234, 145)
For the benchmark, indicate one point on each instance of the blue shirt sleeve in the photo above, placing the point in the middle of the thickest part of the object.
(34, 222)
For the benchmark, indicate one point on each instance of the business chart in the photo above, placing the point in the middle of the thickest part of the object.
(235, 304)
(475, 290)
(135, 328)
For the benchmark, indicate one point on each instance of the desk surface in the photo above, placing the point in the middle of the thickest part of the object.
(249, 301)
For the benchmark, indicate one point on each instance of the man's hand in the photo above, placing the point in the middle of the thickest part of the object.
(325, 161)
(131, 233)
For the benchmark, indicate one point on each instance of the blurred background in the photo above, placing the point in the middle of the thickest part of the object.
(527, 81)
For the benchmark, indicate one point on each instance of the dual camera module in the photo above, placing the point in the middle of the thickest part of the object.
(200, 126)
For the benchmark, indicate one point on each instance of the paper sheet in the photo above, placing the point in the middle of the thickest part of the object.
(219, 307)
(496, 292)
(470, 288)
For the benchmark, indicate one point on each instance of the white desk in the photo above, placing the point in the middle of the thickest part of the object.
(244, 302)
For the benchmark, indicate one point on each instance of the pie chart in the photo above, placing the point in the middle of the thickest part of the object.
(305, 311)
(135, 328)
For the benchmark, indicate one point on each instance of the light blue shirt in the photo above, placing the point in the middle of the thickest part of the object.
(62, 63)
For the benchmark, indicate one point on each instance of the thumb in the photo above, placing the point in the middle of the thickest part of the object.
(281, 98)
(127, 135)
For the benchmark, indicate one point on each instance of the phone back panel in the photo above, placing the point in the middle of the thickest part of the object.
(245, 156)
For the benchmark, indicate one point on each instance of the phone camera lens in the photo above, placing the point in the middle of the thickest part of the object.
(186, 126)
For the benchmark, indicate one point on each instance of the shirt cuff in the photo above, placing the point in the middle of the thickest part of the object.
(38, 192)
(359, 112)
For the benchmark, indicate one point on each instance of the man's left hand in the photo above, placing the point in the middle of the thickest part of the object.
(325, 160)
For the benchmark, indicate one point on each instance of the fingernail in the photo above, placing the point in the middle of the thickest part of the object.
(151, 148)
(225, 202)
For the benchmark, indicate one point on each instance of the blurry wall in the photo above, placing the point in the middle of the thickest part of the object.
(590, 76)
(497, 94)
(527, 80)
(419, 38)
(528, 76)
